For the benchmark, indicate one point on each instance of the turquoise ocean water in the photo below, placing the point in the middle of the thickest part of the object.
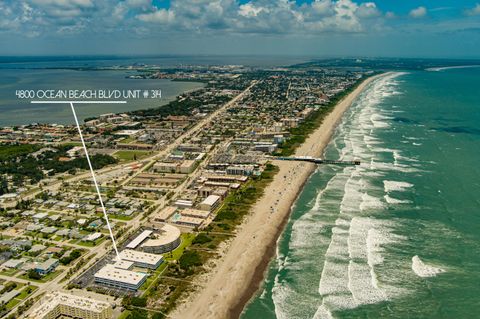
(398, 236)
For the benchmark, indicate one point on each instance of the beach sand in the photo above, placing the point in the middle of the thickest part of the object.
(239, 273)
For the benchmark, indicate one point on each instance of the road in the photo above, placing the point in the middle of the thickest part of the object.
(101, 250)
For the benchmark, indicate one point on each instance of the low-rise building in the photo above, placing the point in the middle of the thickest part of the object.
(6, 297)
(197, 213)
(193, 222)
(58, 304)
(47, 266)
(141, 259)
(111, 276)
(139, 239)
(164, 214)
(245, 170)
(210, 203)
(166, 238)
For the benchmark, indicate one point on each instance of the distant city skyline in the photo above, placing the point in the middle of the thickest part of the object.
(443, 28)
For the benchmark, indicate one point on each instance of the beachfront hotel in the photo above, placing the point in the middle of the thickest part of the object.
(58, 305)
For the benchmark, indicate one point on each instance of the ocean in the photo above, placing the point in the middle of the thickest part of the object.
(397, 236)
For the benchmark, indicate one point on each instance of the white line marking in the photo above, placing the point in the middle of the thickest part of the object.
(79, 102)
(95, 182)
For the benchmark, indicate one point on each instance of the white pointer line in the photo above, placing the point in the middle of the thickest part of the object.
(78, 102)
(95, 181)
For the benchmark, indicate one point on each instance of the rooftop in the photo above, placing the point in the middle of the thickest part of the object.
(52, 300)
(109, 272)
(140, 257)
(166, 235)
(139, 239)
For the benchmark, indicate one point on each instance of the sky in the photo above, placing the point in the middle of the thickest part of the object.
(395, 28)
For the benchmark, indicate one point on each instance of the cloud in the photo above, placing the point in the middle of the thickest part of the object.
(473, 11)
(368, 10)
(419, 12)
(161, 16)
(200, 16)
(64, 3)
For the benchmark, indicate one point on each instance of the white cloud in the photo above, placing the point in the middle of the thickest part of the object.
(419, 12)
(368, 10)
(161, 16)
(64, 3)
(202, 16)
(323, 7)
(138, 3)
(248, 10)
(474, 11)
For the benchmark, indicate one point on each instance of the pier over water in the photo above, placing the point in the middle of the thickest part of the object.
(315, 160)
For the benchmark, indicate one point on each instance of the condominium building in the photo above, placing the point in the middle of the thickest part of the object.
(58, 304)
(112, 276)
(141, 259)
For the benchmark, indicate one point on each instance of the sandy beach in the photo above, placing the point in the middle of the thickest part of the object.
(239, 273)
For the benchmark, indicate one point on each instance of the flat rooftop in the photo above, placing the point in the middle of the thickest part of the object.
(190, 212)
(140, 257)
(210, 200)
(109, 272)
(52, 300)
(139, 239)
(166, 235)
(123, 264)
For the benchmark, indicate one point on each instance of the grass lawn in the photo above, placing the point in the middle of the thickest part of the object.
(24, 293)
(72, 144)
(46, 278)
(131, 155)
(128, 140)
(12, 303)
(121, 217)
(9, 272)
(91, 244)
(124, 314)
(187, 239)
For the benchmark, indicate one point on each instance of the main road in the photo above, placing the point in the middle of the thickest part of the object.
(103, 248)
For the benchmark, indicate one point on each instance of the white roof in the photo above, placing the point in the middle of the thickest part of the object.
(6, 297)
(139, 239)
(166, 235)
(140, 257)
(195, 213)
(40, 215)
(52, 300)
(93, 237)
(123, 264)
(13, 263)
(109, 272)
(211, 200)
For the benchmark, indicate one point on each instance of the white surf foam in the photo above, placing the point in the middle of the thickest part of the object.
(323, 313)
(370, 202)
(423, 270)
(397, 186)
(395, 201)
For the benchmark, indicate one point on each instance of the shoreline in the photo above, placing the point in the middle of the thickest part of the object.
(250, 252)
